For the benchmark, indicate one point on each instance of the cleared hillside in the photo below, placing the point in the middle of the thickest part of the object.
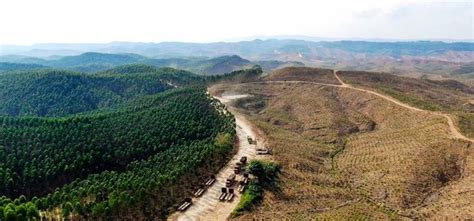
(348, 154)
(409, 156)
(448, 96)
(443, 95)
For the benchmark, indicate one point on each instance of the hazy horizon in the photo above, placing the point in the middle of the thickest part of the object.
(27, 22)
(253, 38)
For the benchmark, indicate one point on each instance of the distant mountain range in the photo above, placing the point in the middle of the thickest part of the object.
(242, 48)
(90, 62)
(434, 59)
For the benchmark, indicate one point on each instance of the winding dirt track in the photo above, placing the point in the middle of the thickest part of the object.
(454, 131)
(208, 206)
(452, 128)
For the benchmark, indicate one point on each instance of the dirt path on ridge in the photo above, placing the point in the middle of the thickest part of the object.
(454, 131)
(208, 206)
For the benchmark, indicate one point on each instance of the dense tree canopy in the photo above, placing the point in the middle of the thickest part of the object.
(61, 93)
(159, 134)
(8, 66)
(41, 153)
(127, 152)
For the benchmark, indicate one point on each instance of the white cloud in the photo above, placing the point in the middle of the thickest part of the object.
(426, 20)
(32, 21)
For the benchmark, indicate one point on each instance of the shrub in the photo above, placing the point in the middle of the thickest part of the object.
(251, 196)
(266, 172)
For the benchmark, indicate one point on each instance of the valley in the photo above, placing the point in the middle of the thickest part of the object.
(236, 110)
(138, 141)
(420, 59)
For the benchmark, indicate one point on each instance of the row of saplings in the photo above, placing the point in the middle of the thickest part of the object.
(252, 189)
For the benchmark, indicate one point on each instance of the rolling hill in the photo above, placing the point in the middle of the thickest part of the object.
(347, 152)
(132, 139)
(61, 93)
(449, 96)
(434, 59)
(91, 62)
(86, 146)
(156, 141)
(251, 48)
(7, 67)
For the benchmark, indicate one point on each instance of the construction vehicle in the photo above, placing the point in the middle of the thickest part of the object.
(237, 169)
(230, 180)
(243, 160)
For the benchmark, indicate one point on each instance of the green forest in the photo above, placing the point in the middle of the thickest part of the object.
(56, 93)
(123, 143)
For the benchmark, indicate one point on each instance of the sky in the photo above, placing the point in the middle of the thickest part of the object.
(24, 22)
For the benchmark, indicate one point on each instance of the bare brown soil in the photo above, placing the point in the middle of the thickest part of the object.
(351, 153)
(446, 94)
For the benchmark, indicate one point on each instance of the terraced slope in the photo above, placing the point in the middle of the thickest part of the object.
(408, 156)
(350, 154)
(449, 96)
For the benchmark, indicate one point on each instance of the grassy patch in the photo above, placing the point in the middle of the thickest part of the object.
(466, 123)
(410, 99)
(251, 196)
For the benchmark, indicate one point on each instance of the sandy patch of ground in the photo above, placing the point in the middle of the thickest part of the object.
(208, 206)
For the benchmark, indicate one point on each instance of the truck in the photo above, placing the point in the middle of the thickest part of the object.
(230, 180)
